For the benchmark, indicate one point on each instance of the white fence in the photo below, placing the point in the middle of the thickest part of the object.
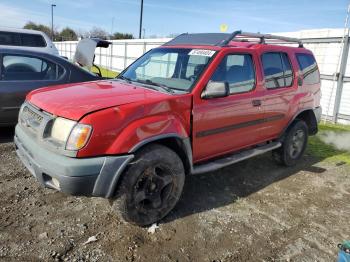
(326, 44)
(118, 56)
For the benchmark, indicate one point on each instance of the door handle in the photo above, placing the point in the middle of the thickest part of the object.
(256, 102)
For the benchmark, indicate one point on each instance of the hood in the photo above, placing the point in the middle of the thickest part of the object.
(73, 101)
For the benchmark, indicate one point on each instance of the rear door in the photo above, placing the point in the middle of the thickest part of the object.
(21, 74)
(222, 125)
(280, 86)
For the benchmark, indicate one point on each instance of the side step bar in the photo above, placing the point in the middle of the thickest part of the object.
(234, 158)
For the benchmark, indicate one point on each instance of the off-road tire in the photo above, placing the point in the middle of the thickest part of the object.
(156, 169)
(284, 155)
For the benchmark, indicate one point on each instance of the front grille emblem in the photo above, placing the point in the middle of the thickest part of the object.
(31, 115)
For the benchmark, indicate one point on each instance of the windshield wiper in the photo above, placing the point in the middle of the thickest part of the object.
(147, 82)
(150, 82)
(124, 78)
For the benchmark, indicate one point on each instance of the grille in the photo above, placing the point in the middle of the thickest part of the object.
(30, 118)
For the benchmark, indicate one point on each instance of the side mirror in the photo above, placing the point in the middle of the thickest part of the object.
(215, 90)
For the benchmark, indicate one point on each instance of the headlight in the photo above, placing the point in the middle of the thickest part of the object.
(61, 129)
(70, 133)
(78, 137)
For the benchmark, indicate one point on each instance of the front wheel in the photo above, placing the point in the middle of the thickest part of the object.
(151, 186)
(294, 144)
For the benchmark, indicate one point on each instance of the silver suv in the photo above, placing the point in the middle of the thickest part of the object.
(31, 40)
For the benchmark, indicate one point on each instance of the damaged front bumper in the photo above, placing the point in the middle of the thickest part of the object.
(97, 176)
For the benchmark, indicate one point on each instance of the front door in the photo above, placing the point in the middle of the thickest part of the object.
(222, 125)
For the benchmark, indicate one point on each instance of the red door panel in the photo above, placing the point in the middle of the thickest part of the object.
(223, 125)
(226, 124)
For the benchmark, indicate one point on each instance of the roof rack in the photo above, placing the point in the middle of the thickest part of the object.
(223, 39)
(239, 34)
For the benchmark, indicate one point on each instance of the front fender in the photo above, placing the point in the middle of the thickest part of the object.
(146, 130)
(117, 130)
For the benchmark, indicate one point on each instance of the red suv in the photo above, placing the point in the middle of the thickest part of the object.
(196, 104)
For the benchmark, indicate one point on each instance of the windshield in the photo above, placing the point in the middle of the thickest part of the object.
(169, 68)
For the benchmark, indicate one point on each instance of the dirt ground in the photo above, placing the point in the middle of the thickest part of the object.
(252, 211)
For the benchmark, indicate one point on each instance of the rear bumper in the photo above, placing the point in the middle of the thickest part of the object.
(96, 176)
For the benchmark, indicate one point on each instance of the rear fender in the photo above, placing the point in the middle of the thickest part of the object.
(308, 116)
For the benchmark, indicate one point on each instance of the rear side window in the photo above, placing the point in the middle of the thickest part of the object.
(21, 39)
(309, 69)
(238, 71)
(33, 40)
(277, 70)
(24, 68)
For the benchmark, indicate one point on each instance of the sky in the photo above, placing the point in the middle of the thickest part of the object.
(166, 17)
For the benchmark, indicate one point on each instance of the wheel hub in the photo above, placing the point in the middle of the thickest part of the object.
(297, 144)
(153, 188)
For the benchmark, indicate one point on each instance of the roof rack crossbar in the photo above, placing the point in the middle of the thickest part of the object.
(262, 38)
(230, 38)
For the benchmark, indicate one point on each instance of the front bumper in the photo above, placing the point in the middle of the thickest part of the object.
(96, 176)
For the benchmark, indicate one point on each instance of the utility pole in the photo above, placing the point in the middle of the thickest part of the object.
(141, 13)
(52, 6)
(112, 28)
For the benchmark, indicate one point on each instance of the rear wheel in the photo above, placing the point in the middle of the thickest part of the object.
(151, 186)
(294, 144)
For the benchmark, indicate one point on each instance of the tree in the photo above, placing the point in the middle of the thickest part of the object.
(39, 27)
(98, 32)
(68, 34)
(118, 35)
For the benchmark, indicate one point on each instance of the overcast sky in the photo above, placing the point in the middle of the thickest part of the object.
(177, 16)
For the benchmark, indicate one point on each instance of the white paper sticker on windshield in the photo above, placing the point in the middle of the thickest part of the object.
(202, 52)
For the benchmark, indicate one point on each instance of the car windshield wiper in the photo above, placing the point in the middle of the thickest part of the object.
(147, 82)
(125, 78)
(150, 82)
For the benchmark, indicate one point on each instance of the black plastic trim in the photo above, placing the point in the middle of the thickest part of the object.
(239, 125)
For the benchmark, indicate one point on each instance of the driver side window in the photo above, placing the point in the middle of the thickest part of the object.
(238, 71)
(24, 68)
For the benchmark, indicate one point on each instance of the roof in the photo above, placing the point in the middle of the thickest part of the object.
(224, 39)
(212, 39)
(21, 30)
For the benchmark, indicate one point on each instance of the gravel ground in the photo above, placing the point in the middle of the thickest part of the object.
(252, 211)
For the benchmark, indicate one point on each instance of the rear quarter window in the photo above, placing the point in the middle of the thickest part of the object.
(309, 68)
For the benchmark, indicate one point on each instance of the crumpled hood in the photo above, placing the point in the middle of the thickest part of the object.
(73, 101)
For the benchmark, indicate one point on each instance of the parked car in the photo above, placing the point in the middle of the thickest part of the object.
(22, 71)
(196, 104)
(31, 40)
